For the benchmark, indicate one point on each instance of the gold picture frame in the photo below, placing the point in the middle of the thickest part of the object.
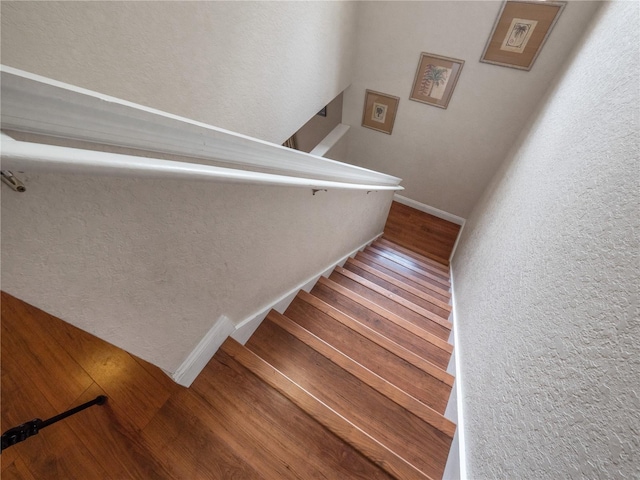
(435, 80)
(379, 111)
(520, 32)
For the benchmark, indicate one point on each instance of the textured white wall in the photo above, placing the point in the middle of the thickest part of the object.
(546, 278)
(258, 68)
(447, 157)
(150, 265)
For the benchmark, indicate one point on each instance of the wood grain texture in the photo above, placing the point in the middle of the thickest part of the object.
(363, 374)
(351, 395)
(17, 470)
(436, 354)
(432, 387)
(432, 265)
(333, 421)
(425, 234)
(389, 303)
(393, 296)
(64, 380)
(425, 273)
(198, 444)
(273, 430)
(381, 315)
(401, 289)
(404, 274)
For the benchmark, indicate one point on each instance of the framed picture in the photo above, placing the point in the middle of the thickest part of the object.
(436, 79)
(379, 111)
(520, 31)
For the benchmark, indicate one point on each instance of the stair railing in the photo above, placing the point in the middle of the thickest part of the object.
(37, 105)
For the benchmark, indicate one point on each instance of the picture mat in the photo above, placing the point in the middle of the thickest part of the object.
(544, 13)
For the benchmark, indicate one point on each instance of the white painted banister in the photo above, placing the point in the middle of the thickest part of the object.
(36, 157)
(35, 104)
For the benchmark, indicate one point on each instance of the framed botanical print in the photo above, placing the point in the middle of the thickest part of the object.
(435, 80)
(379, 111)
(520, 31)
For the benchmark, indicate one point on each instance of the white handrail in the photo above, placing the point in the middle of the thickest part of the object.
(35, 104)
(37, 157)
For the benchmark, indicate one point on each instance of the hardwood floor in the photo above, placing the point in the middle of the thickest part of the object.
(349, 382)
(423, 233)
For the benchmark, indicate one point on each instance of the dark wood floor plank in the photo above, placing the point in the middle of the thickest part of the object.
(16, 470)
(22, 400)
(436, 327)
(42, 360)
(404, 274)
(413, 295)
(55, 452)
(273, 424)
(9, 455)
(114, 440)
(417, 442)
(435, 355)
(117, 372)
(193, 441)
(342, 428)
(432, 388)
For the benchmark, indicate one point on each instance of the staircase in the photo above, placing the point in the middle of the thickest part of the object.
(363, 356)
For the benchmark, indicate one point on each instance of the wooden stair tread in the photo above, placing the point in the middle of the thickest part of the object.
(365, 375)
(414, 314)
(380, 455)
(408, 336)
(432, 387)
(380, 313)
(404, 274)
(421, 232)
(265, 427)
(426, 273)
(396, 298)
(285, 346)
(206, 434)
(436, 354)
(400, 288)
(414, 256)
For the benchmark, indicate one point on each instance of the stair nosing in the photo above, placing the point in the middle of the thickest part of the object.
(362, 373)
(401, 285)
(439, 373)
(420, 281)
(379, 454)
(394, 297)
(434, 264)
(445, 284)
(374, 336)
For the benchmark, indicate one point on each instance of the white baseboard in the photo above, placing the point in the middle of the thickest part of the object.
(223, 328)
(245, 328)
(436, 212)
(187, 372)
(456, 468)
